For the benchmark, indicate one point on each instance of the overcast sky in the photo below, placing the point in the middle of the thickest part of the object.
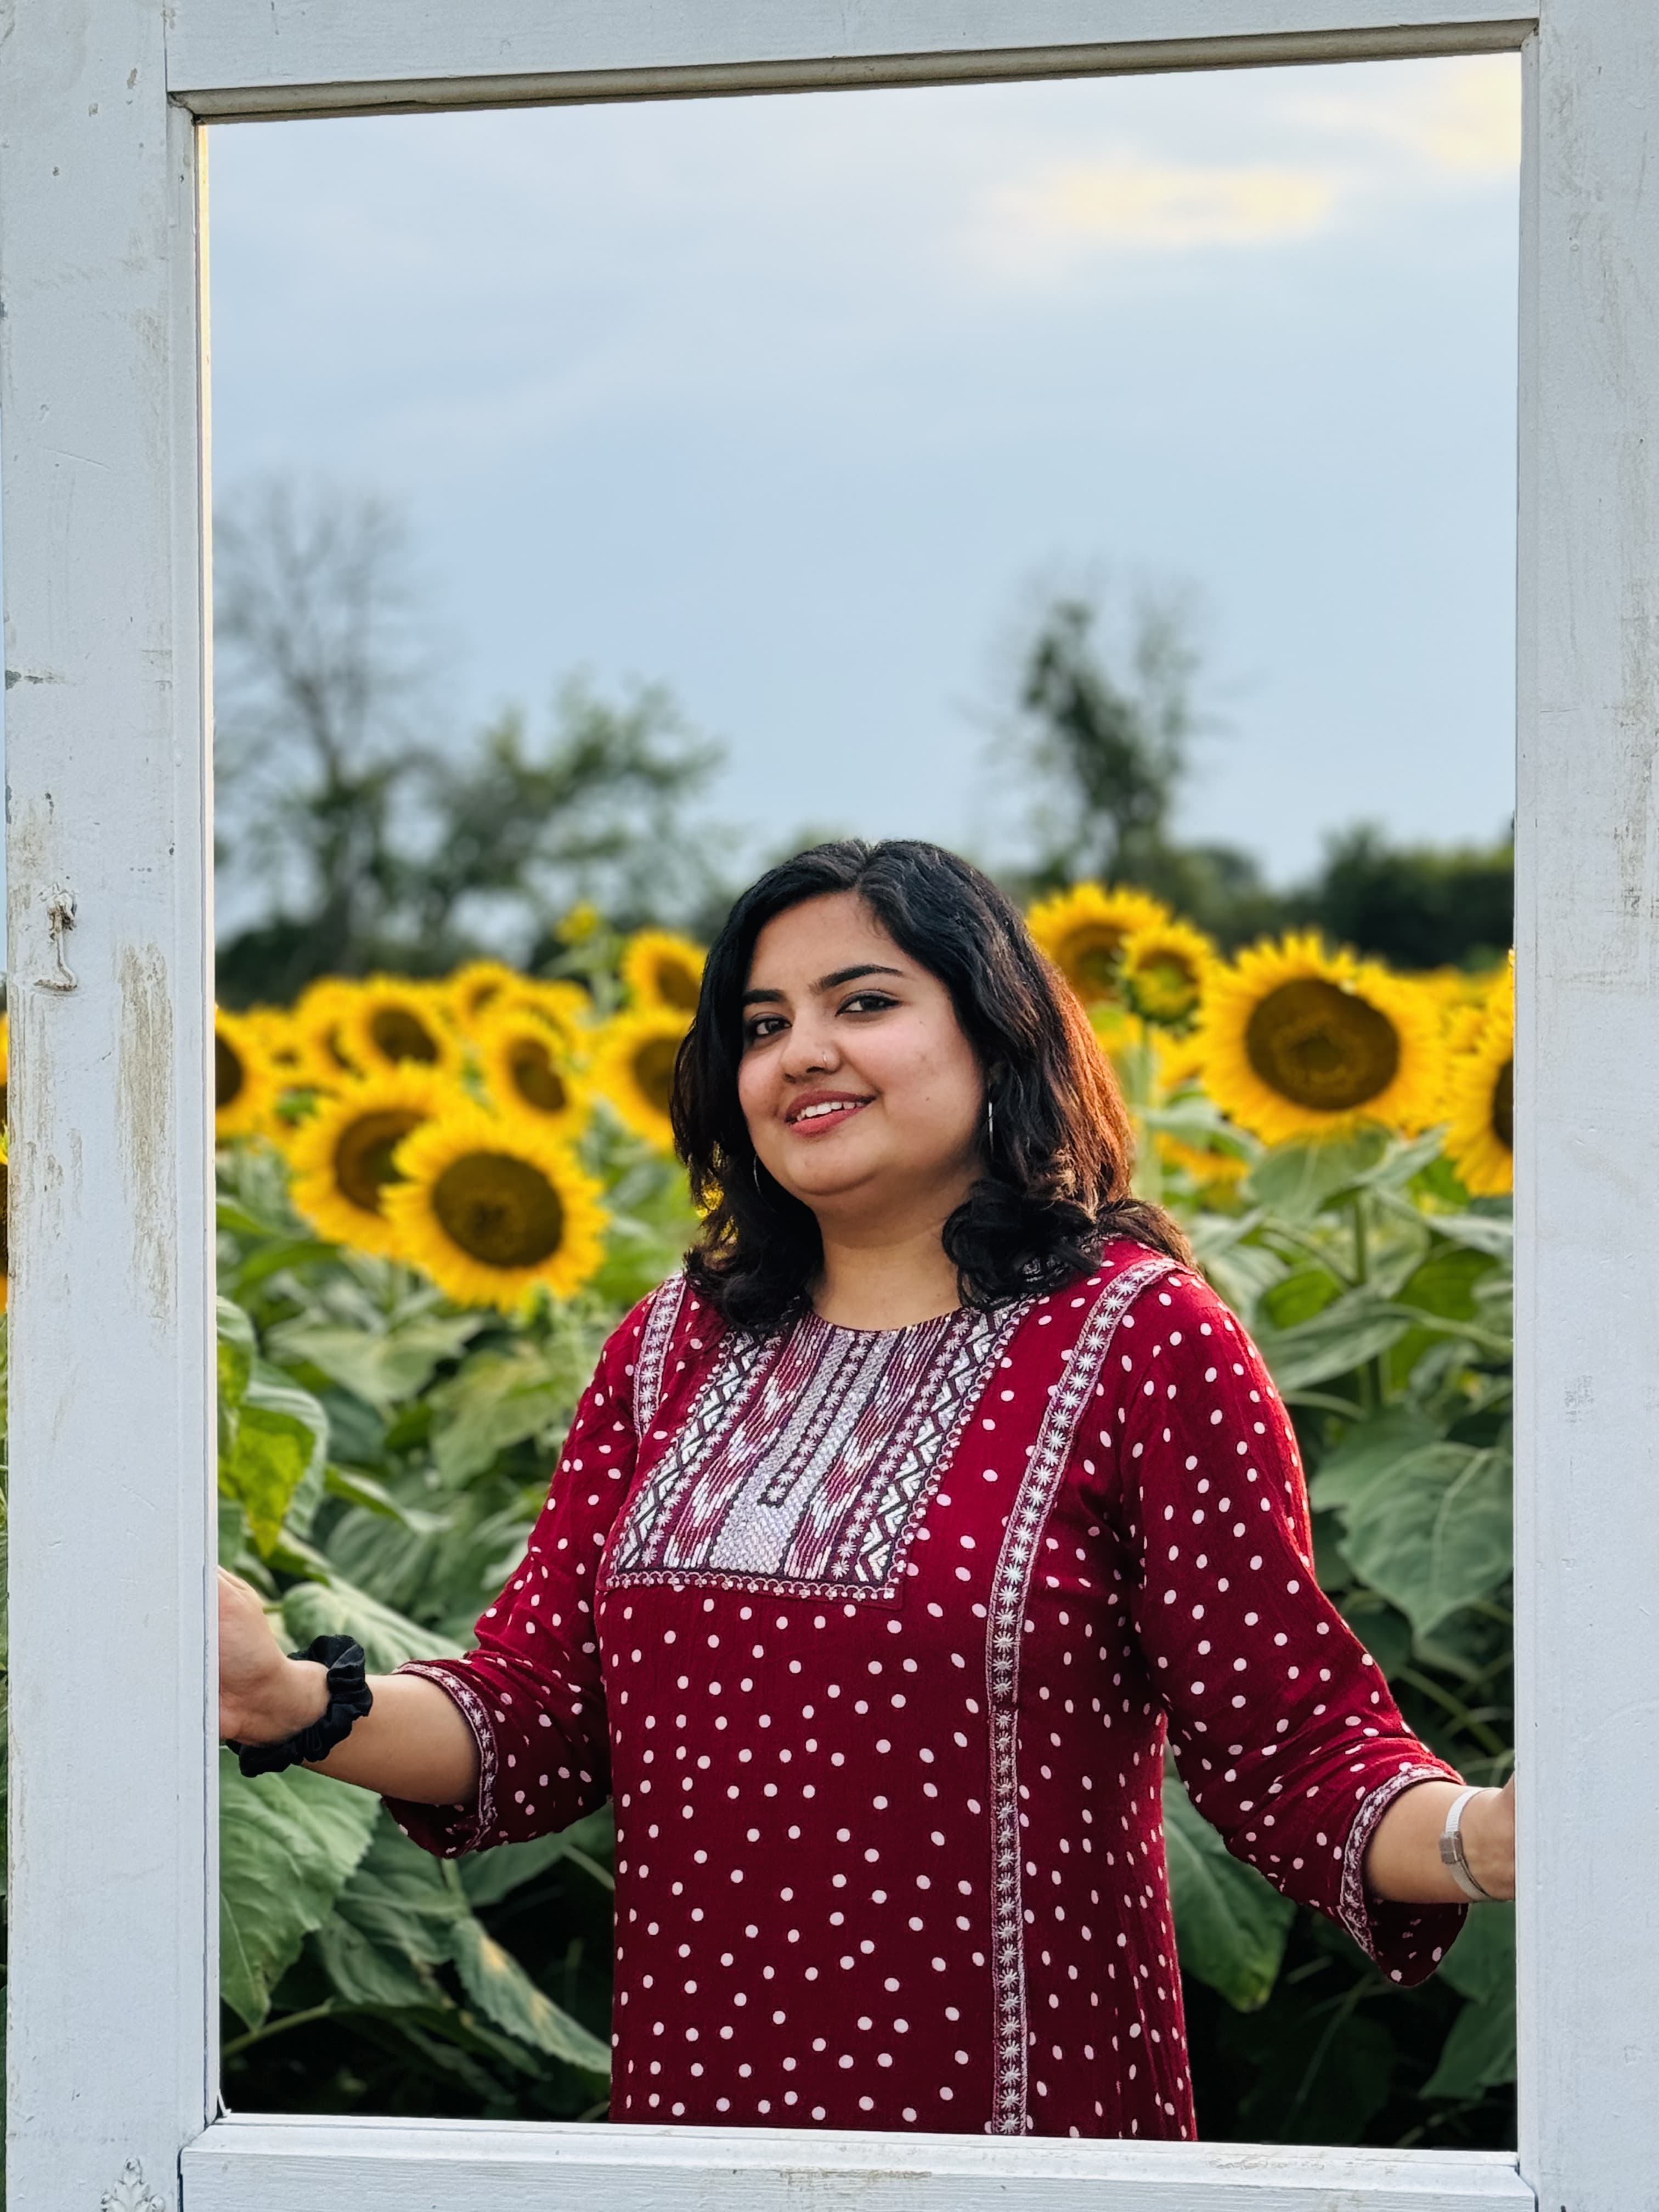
(802, 404)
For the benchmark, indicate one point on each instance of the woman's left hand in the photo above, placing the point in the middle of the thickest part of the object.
(1489, 1838)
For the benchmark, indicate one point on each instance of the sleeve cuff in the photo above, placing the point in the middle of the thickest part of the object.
(448, 1831)
(1407, 1941)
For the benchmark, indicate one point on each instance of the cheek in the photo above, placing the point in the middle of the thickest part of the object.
(753, 1088)
(937, 1080)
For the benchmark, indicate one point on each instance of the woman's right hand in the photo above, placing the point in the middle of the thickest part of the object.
(263, 1695)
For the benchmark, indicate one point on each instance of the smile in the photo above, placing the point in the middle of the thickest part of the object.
(825, 1113)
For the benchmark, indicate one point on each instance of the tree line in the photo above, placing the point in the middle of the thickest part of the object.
(358, 833)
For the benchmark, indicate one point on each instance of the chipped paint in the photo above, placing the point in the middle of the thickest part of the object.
(145, 1122)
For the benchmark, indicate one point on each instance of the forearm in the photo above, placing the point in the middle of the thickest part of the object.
(413, 1743)
(1403, 1863)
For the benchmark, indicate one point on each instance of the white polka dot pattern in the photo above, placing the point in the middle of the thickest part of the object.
(805, 1785)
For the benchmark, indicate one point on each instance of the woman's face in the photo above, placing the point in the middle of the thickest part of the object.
(862, 1096)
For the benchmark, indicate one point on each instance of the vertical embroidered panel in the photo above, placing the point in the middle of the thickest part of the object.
(1009, 1592)
(656, 1337)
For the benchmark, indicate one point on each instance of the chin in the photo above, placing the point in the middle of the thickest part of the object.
(830, 1179)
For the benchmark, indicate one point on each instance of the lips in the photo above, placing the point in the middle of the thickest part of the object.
(824, 1111)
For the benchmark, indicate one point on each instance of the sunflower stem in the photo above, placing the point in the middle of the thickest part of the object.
(1373, 1390)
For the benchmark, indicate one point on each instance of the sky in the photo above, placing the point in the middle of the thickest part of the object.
(806, 405)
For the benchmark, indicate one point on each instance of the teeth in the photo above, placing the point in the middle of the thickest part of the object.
(817, 1113)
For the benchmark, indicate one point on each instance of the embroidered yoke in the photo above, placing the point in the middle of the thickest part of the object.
(876, 1637)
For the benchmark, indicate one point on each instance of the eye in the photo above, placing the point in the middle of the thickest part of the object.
(868, 1002)
(759, 1027)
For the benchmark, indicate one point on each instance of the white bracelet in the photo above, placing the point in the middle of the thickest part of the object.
(1451, 1850)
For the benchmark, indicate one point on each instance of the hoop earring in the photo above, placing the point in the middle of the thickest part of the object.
(755, 1165)
(990, 1123)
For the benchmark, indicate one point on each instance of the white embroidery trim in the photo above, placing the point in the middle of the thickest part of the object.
(1010, 1589)
(968, 1355)
(474, 1712)
(1352, 1904)
(666, 1300)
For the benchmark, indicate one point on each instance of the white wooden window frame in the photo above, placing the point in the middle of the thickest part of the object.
(112, 2062)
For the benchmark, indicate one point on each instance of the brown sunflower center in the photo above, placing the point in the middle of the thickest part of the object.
(363, 1150)
(229, 1075)
(1322, 1047)
(1502, 1106)
(1088, 959)
(678, 985)
(500, 1210)
(534, 1077)
(402, 1035)
(653, 1070)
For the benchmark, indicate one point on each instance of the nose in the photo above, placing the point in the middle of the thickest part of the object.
(810, 1047)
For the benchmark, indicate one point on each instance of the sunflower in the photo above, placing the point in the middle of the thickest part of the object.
(1180, 1060)
(524, 1069)
(295, 1058)
(1083, 931)
(663, 971)
(1163, 969)
(557, 1003)
(342, 1157)
(1480, 1103)
(479, 986)
(322, 1016)
(394, 1021)
(1298, 1041)
(634, 1068)
(490, 1206)
(244, 1086)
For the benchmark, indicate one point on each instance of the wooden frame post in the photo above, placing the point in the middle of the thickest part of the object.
(1587, 1068)
(112, 1901)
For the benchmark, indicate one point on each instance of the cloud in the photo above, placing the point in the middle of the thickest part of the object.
(1463, 118)
(1131, 203)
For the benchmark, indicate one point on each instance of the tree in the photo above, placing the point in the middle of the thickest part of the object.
(1414, 905)
(367, 835)
(1114, 748)
(1109, 748)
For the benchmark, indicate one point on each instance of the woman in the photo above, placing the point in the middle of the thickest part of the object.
(886, 1544)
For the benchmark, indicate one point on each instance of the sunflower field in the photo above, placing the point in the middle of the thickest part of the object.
(436, 1199)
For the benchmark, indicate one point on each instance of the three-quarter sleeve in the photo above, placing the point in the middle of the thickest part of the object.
(531, 1691)
(1284, 1730)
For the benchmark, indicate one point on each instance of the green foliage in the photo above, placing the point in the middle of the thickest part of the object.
(382, 1458)
(288, 1844)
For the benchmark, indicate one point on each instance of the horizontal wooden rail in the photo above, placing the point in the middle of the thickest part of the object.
(299, 2164)
(273, 58)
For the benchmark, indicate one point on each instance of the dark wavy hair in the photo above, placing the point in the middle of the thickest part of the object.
(1055, 1185)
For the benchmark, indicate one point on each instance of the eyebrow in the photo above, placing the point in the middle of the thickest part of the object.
(832, 981)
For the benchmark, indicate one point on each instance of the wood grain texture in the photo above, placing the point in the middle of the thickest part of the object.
(304, 2166)
(1587, 1532)
(112, 1960)
(271, 58)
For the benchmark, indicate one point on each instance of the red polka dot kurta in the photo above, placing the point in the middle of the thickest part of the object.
(875, 1637)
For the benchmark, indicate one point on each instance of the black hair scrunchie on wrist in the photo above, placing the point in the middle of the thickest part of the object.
(348, 1699)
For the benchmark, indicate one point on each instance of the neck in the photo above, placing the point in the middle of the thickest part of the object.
(886, 1280)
